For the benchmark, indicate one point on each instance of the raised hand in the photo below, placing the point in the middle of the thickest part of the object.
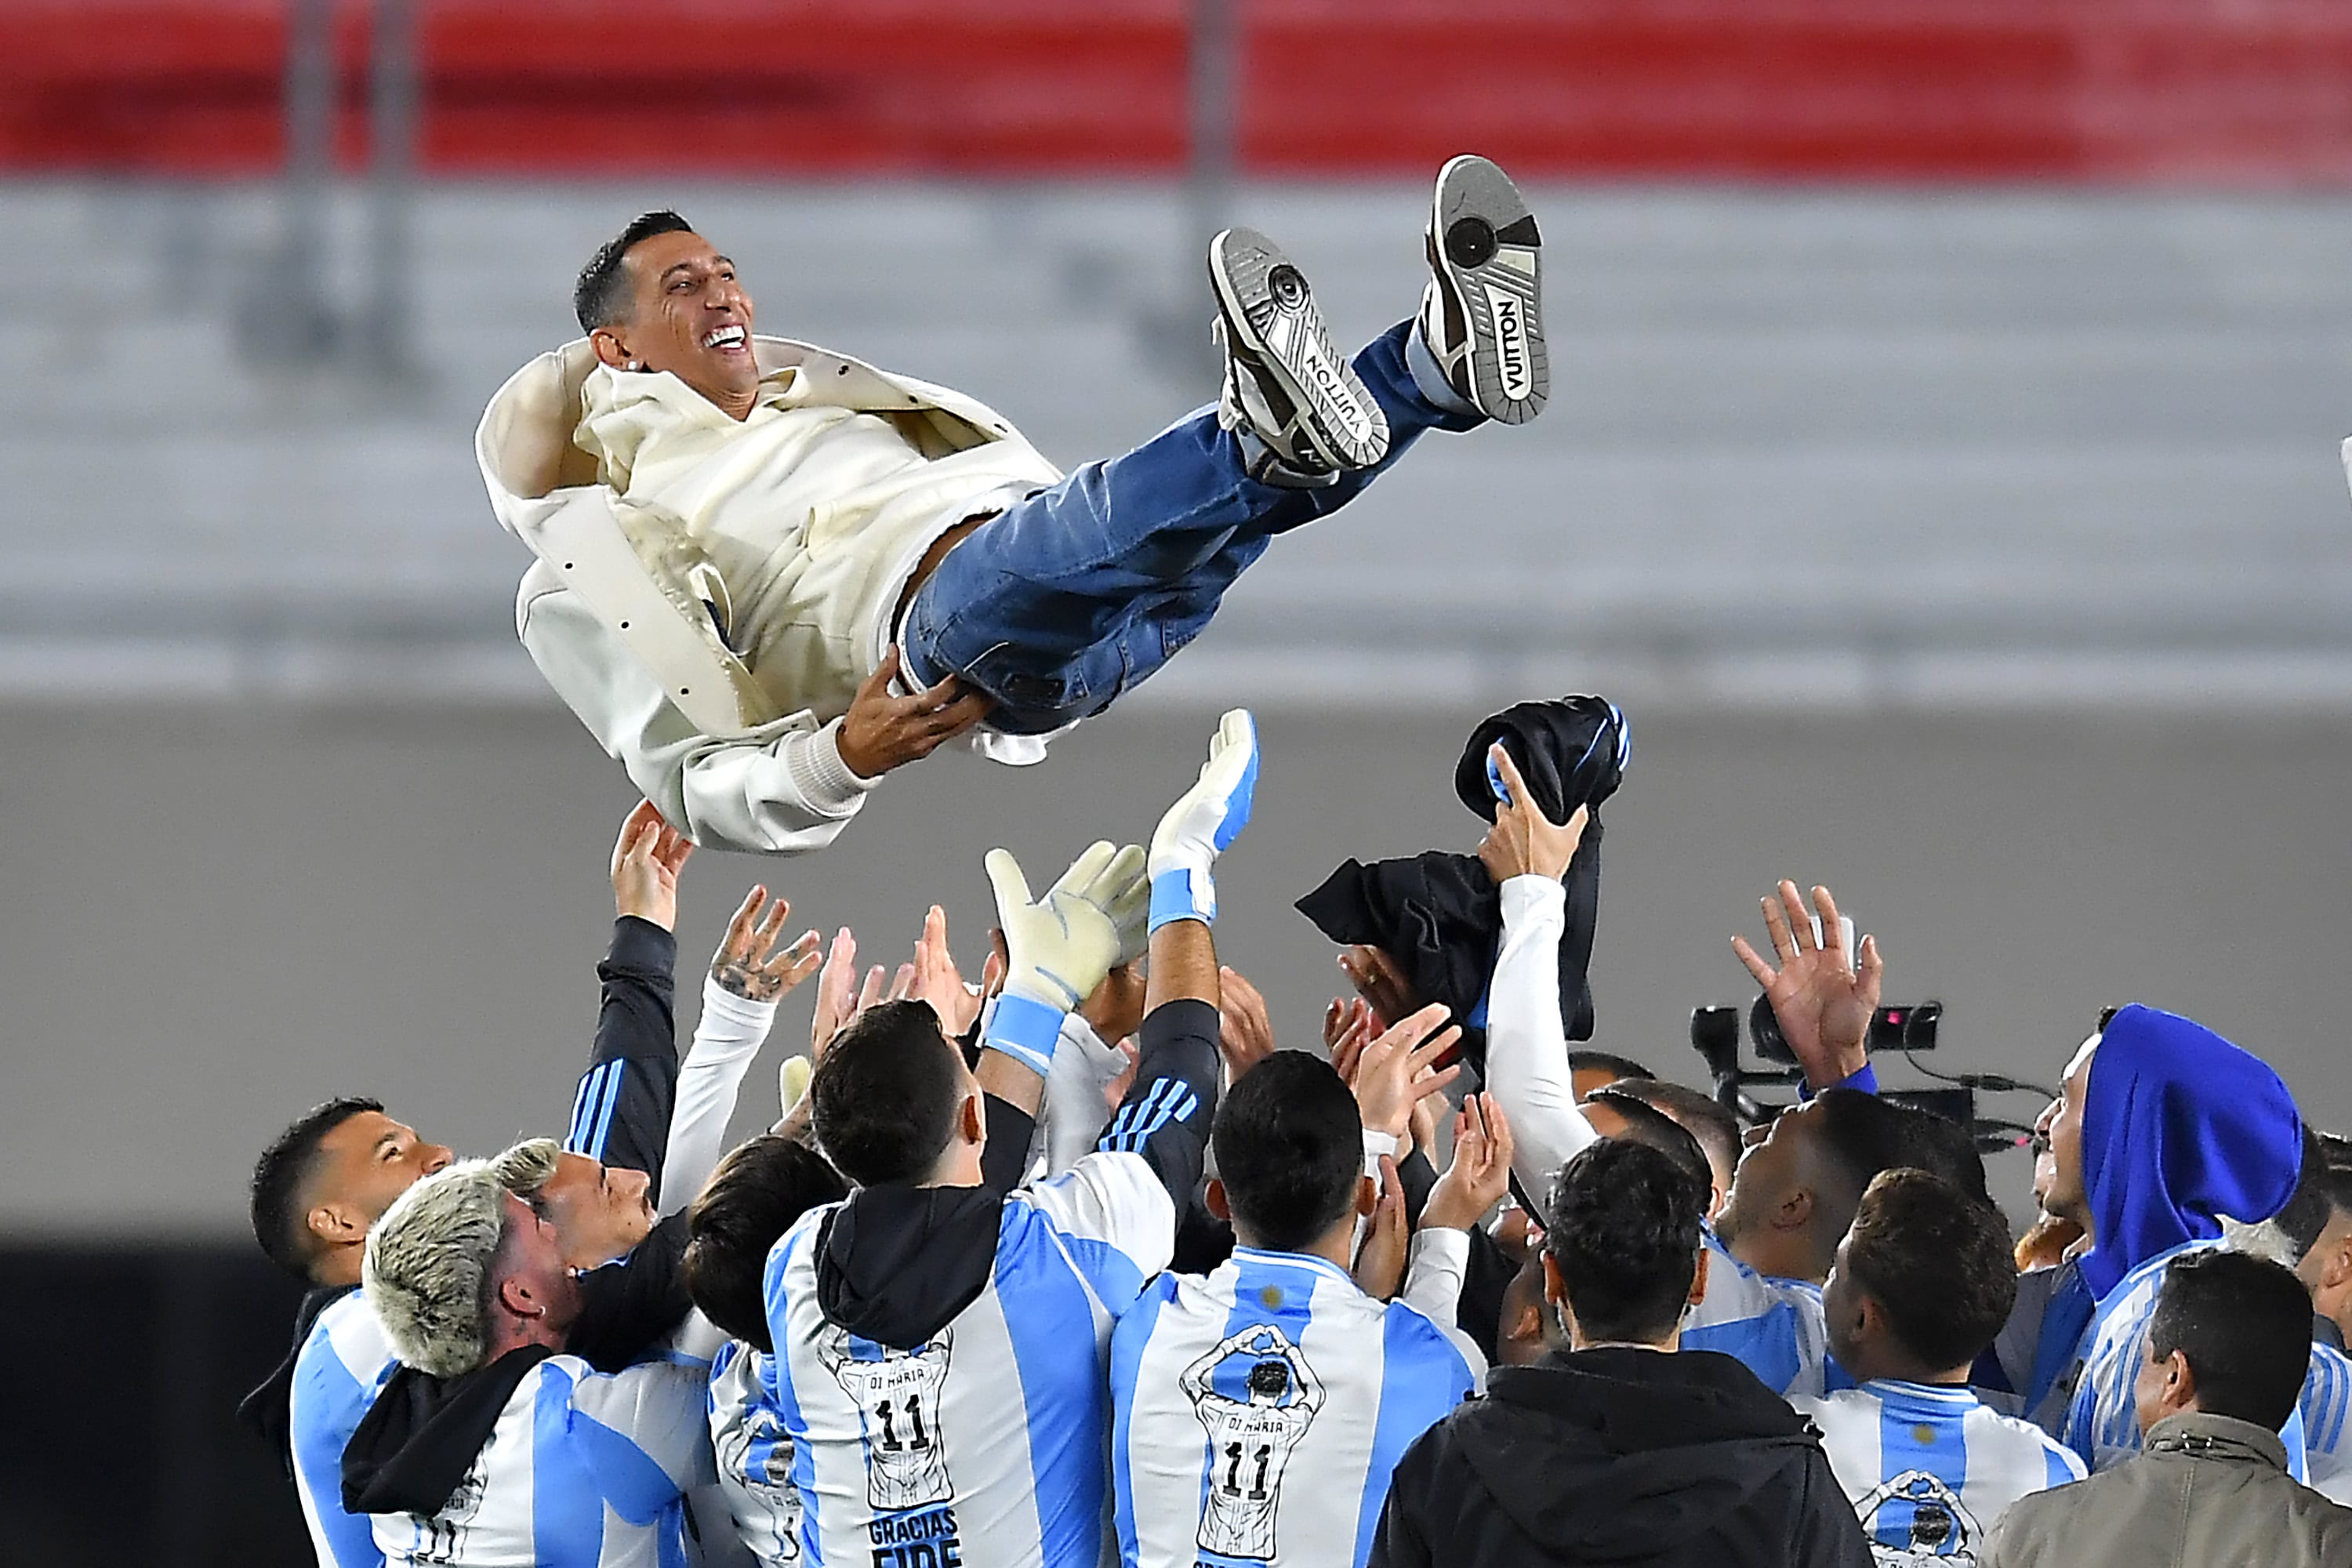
(743, 965)
(1823, 998)
(1060, 947)
(1379, 1261)
(1114, 1011)
(1380, 980)
(646, 861)
(1400, 1068)
(881, 731)
(1245, 1032)
(937, 979)
(1202, 823)
(1524, 842)
(1481, 1171)
(1347, 1027)
(837, 994)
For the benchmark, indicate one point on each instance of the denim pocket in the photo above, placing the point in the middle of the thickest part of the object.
(1004, 674)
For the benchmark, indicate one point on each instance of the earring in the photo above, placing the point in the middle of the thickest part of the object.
(637, 364)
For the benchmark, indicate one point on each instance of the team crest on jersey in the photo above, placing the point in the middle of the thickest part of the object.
(1255, 1396)
(897, 1397)
(1942, 1531)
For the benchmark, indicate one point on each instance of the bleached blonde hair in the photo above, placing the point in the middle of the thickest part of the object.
(430, 1260)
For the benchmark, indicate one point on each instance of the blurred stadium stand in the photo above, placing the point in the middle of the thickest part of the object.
(2098, 89)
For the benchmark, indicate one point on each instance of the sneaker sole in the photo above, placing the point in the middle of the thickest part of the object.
(1487, 254)
(1271, 321)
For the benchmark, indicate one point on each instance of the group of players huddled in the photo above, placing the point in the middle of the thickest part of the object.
(1072, 1266)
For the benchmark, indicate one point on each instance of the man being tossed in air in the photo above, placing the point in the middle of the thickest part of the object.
(769, 573)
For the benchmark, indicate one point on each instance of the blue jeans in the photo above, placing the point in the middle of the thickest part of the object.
(1078, 592)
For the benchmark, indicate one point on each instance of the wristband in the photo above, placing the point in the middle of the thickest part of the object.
(1864, 1080)
(1025, 1029)
(1183, 894)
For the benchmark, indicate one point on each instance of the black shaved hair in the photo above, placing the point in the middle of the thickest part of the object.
(1936, 1261)
(281, 1181)
(1607, 1061)
(1866, 1135)
(1645, 1123)
(1289, 1146)
(1624, 1231)
(2322, 1188)
(882, 1102)
(2244, 1324)
(1700, 1115)
(601, 297)
(758, 1192)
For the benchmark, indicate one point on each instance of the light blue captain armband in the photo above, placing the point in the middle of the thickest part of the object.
(1183, 894)
(1024, 1030)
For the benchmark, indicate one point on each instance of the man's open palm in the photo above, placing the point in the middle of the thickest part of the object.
(1822, 996)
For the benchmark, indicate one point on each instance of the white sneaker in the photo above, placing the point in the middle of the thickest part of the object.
(1482, 315)
(1285, 383)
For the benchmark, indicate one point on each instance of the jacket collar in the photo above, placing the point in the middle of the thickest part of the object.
(2196, 1434)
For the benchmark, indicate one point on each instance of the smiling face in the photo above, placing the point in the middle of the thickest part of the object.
(688, 315)
(598, 1212)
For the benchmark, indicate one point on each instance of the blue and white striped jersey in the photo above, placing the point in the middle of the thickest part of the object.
(2326, 1434)
(755, 1454)
(2103, 1422)
(342, 1368)
(1257, 1412)
(1930, 1470)
(985, 1445)
(1772, 1327)
(584, 1469)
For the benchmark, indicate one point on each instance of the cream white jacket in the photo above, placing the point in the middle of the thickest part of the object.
(708, 593)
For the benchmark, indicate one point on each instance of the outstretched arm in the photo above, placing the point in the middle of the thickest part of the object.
(621, 1113)
(785, 788)
(749, 977)
(1526, 1043)
(1166, 1114)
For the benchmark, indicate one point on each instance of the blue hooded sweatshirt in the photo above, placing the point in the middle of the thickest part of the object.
(2179, 1128)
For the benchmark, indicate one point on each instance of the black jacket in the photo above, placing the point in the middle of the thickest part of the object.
(1620, 1457)
(1439, 916)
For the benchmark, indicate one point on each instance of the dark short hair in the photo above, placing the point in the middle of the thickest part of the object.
(1700, 1115)
(1607, 1061)
(2321, 1188)
(281, 1181)
(1864, 1135)
(1289, 1147)
(601, 297)
(760, 1189)
(1624, 1230)
(2244, 1324)
(1645, 1123)
(1936, 1261)
(884, 1100)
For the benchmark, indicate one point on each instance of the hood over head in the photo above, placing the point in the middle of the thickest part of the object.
(2179, 1128)
(1608, 1455)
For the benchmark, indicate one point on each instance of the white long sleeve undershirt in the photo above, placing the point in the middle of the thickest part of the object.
(1527, 1044)
(726, 1038)
(1071, 1120)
